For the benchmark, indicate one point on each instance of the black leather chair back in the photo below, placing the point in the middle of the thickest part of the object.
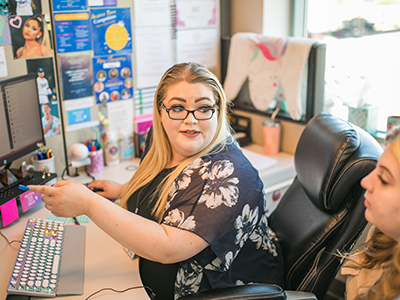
(323, 210)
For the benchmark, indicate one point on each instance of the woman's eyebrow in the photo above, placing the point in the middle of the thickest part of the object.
(184, 100)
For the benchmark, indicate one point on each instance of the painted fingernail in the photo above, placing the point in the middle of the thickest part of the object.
(23, 187)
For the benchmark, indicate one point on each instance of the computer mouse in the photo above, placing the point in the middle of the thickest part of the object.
(94, 189)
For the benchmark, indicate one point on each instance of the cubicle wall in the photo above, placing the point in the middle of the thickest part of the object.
(105, 58)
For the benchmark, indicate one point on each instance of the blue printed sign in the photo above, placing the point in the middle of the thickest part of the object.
(62, 5)
(113, 78)
(79, 116)
(72, 32)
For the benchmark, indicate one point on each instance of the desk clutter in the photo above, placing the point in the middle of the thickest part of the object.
(13, 201)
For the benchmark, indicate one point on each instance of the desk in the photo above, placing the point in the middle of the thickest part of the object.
(106, 263)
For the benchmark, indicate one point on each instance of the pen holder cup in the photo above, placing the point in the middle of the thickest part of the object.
(44, 164)
(96, 162)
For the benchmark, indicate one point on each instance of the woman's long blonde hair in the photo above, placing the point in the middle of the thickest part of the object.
(160, 152)
(44, 39)
(381, 250)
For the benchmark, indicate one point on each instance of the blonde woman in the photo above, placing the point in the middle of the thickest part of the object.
(37, 42)
(374, 269)
(194, 209)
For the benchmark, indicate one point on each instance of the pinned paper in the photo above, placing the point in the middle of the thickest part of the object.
(9, 212)
(28, 200)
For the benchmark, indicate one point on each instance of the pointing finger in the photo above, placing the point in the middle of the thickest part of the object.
(41, 189)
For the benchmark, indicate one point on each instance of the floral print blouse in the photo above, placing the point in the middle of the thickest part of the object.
(220, 198)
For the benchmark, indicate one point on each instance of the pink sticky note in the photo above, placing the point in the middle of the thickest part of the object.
(29, 199)
(9, 212)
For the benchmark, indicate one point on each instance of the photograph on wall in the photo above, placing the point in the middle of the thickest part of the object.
(72, 32)
(46, 84)
(46, 80)
(76, 76)
(111, 31)
(5, 37)
(30, 36)
(113, 78)
(62, 5)
(24, 7)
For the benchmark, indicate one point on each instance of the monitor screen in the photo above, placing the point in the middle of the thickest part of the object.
(20, 118)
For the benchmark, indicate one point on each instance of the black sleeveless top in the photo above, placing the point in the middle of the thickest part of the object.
(159, 277)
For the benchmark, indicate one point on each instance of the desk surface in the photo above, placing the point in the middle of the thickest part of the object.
(106, 263)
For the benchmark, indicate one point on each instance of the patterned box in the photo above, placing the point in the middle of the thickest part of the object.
(365, 117)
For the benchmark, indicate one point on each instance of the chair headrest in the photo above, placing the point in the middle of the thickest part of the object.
(324, 148)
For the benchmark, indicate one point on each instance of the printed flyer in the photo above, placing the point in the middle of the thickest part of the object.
(113, 78)
(76, 76)
(72, 32)
(60, 5)
(111, 31)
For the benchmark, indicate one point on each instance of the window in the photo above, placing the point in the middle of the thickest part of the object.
(363, 54)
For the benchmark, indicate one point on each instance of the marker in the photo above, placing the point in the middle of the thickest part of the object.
(23, 187)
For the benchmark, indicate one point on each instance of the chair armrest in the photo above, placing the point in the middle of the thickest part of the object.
(248, 292)
(295, 295)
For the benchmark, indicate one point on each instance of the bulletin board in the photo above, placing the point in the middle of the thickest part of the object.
(99, 61)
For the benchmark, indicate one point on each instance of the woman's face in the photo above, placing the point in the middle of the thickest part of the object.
(382, 199)
(189, 136)
(31, 30)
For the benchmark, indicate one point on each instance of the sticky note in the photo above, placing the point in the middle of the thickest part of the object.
(29, 199)
(9, 212)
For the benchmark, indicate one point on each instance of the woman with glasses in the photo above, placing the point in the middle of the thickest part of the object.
(194, 210)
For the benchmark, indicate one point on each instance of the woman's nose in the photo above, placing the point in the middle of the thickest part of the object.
(190, 118)
(366, 182)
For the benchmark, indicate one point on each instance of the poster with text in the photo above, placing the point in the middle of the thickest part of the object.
(113, 78)
(76, 76)
(111, 31)
(72, 32)
(61, 5)
(196, 13)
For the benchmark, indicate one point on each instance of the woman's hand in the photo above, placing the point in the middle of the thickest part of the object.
(111, 189)
(66, 198)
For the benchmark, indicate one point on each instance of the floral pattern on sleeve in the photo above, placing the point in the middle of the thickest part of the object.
(220, 198)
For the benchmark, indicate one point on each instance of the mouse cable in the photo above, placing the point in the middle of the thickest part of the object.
(14, 241)
(152, 294)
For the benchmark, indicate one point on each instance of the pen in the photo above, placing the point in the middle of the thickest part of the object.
(76, 221)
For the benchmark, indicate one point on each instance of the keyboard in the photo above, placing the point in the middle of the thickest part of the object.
(36, 270)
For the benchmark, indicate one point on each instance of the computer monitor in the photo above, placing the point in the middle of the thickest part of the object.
(21, 130)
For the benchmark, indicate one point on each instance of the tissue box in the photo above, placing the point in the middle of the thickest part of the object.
(365, 117)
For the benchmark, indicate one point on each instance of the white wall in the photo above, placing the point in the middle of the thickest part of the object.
(276, 20)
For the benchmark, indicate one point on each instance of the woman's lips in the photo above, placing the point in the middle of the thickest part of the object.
(190, 133)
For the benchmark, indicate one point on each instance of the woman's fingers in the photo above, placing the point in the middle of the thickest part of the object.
(42, 189)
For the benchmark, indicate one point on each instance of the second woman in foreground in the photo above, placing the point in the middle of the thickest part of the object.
(194, 210)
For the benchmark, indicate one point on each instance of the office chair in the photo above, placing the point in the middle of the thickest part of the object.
(321, 213)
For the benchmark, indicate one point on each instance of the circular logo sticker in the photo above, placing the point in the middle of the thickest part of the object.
(116, 37)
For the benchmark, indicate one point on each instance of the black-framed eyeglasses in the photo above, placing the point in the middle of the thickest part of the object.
(181, 113)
